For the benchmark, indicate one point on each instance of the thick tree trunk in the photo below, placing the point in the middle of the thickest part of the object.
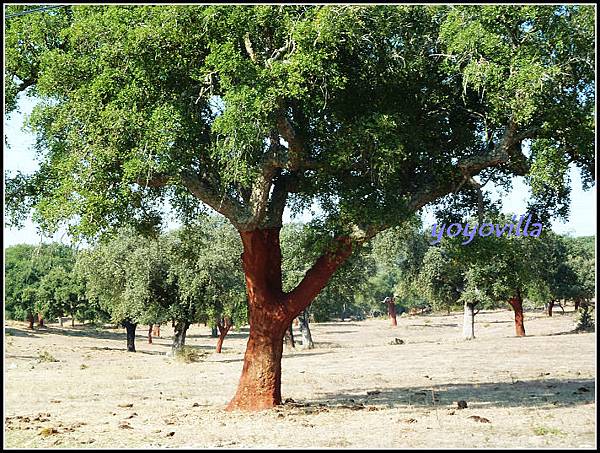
(30, 320)
(223, 329)
(40, 320)
(517, 305)
(130, 327)
(469, 321)
(550, 307)
(270, 312)
(181, 328)
(307, 341)
(150, 334)
(289, 336)
(392, 311)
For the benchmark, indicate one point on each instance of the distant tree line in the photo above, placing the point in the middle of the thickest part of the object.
(194, 275)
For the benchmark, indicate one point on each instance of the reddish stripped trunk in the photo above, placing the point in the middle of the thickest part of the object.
(40, 320)
(517, 304)
(156, 330)
(223, 329)
(270, 312)
(392, 312)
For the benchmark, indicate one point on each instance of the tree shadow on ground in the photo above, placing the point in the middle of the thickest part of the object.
(90, 332)
(240, 335)
(12, 332)
(285, 356)
(430, 325)
(569, 332)
(336, 332)
(540, 394)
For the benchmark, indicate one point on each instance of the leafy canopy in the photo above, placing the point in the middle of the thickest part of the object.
(369, 111)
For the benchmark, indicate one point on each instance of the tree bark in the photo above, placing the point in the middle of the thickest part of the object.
(469, 321)
(289, 336)
(517, 305)
(223, 329)
(30, 320)
(40, 320)
(156, 330)
(150, 326)
(181, 328)
(307, 341)
(130, 327)
(270, 312)
(550, 307)
(392, 311)
(577, 302)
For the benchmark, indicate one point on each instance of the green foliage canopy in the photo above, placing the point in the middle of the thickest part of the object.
(369, 111)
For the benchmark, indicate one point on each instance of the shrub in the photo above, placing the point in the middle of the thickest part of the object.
(45, 356)
(188, 354)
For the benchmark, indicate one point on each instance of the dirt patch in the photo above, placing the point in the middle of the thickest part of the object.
(355, 389)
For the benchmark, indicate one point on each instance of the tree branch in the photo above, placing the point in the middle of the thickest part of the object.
(223, 203)
(506, 149)
(249, 49)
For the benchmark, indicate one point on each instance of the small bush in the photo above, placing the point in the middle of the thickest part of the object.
(45, 356)
(585, 321)
(188, 354)
(544, 430)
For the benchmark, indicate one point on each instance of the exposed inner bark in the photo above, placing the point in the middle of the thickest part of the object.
(469, 321)
(223, 327)
(130, 327)
(156, 330)
(517, 304)
(40, 320)
(271, 310)
(181, 328)
(391, 303)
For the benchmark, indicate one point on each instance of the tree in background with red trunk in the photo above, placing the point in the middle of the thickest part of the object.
(366, 113)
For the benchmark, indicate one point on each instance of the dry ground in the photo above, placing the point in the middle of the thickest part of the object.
(537, 391)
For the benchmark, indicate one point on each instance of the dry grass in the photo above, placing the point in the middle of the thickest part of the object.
(355, 389)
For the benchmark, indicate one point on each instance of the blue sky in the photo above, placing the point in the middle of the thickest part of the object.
(21, 156)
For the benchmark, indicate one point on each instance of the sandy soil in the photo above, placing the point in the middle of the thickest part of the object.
(355, 389)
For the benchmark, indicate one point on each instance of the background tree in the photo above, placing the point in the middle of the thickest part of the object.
(127, 275)
(369, 112)
(207, 272)
(35, 281)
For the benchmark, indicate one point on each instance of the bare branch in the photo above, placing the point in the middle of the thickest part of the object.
(223, 203)
(249, 49)
(157, 180)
